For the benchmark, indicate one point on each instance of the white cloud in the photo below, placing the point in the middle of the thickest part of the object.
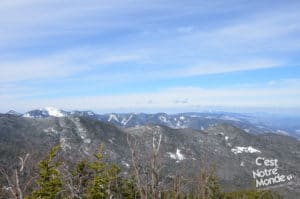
(60, 64)
(269, 31)
(201, 67)
(207, 67)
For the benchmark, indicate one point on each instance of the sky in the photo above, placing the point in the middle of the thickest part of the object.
(150, 56)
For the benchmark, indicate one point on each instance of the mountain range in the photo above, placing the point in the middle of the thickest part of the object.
(252, 123)
(231, 142)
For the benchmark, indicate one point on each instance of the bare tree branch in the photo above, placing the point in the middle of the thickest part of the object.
(14, 185)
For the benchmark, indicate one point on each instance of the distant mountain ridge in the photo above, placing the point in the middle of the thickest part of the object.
(199, 121)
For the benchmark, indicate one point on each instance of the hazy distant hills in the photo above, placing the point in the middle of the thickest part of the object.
(252, 123)
(194, 139)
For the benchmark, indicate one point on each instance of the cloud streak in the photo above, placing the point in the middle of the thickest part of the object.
(64, 64)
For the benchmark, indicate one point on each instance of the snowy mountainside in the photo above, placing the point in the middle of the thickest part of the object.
(232, 150)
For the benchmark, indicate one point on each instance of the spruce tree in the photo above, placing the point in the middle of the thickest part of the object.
(214, 187)
(129, 189)
(104, 180)
(49, 179)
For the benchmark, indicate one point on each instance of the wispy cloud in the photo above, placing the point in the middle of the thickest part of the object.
(207, 67)
(63, 64)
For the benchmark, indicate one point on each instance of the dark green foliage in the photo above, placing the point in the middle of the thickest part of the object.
(208, 184)
(104, 180)
(129, 189)
(214, 188)
(79, 180)
(49, 179)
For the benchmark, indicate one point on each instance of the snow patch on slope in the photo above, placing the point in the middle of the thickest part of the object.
(247, 130)
(113, 117)
(242, 149)
(178, 156)
(50, 130)
(282, 132)
(54, 112)
(64, 144)
(242, 164)
(28, 115)
(226, 117)
(163, 118)
(124, 121)
(125, 164)
(82, 132)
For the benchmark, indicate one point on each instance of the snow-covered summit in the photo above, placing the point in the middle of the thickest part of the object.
(45, 112)
(54, 112)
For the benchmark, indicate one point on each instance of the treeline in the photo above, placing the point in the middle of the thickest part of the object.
(98, 179)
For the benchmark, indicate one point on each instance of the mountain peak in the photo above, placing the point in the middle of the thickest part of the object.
(12, 112)
(45, 112)
(55, 112)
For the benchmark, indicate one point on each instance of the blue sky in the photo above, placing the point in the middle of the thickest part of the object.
(148, 56)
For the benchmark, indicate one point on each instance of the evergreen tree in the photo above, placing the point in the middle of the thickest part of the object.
(49, 179)
(129, 189)
(214, 187)
(76, 182)
(104, 179)
(97, 186)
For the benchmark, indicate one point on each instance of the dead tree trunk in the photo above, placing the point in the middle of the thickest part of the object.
(155, 167)
(147, 170)
(132, 143)
(14, 188)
